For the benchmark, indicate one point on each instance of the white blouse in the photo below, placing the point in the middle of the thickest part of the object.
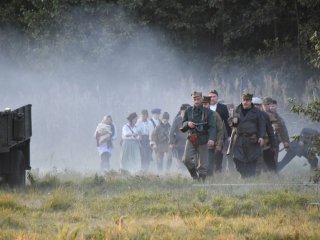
(143, 127)
(126, 130)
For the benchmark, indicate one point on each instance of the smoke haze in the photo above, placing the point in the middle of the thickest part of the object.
(72, 88)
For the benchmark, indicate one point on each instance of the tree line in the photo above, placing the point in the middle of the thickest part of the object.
(220, 38)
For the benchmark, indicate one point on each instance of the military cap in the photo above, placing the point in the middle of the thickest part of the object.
(144, 112)
(214, 92)
(132, 116)
(256, 100)
(247, 96)
(165, 115)
(156, 110)
(184, 106)
(206, 99)
(196, 94)
(274, 101)
(267, 100)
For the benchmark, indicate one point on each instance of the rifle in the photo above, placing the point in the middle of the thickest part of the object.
(199, 126)
(233, 133)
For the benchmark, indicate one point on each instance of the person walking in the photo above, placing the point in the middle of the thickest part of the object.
(160, 137)
(223, 112)
(105, 134)
(250, 130)
(200, 124)
(177, 139)
(220, 129)
(267, 162)
(130, 148)
(145, 148)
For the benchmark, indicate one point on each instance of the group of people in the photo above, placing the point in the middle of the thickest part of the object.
(146, 138)
(199, 136)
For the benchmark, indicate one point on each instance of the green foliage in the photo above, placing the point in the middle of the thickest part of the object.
(206, 34)
(315, 55)
(311, 110)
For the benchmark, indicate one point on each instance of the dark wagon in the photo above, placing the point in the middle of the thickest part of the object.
(15, 134)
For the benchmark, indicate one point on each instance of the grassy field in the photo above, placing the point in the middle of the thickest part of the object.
(71, 205)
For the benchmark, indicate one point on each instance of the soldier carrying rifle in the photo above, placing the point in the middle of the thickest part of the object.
(250, 129)
(200, 124)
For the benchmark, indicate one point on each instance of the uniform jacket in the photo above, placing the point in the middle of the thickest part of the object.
(224, 114)
(220, 129)
(176, 137)
(280, 129)
(249, 128)
(160, 136)
(269, 139)
(200, 115)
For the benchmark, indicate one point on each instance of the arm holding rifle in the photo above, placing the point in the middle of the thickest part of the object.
(233, 122)
(233, 134)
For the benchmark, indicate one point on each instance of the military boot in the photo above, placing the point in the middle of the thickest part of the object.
(194, 174)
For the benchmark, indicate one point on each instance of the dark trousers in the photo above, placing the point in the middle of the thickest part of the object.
(218, 156)
(196, 159)
(105, 161)
(246, 169)
(214, 161)
(160, 160)
(269, 159)
(177, 153)
(211, 164)
(146, 152)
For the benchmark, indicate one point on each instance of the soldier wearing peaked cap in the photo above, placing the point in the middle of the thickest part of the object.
(250, 130)
(278, 124)
(269, 144)
(199, 122)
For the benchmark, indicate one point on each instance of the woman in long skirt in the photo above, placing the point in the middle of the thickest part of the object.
(130, 151)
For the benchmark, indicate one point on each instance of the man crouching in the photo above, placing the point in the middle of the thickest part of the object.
(200, 124)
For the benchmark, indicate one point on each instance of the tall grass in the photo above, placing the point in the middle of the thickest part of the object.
(115, 206)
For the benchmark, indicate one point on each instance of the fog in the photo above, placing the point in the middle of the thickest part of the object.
(71, 90)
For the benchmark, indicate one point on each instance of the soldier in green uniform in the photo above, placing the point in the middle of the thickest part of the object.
(200, 124)
(269, 140)
(279, 126)
(220, 128)
(250, 130)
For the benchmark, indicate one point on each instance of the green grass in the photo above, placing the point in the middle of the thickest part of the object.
(112, 206)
